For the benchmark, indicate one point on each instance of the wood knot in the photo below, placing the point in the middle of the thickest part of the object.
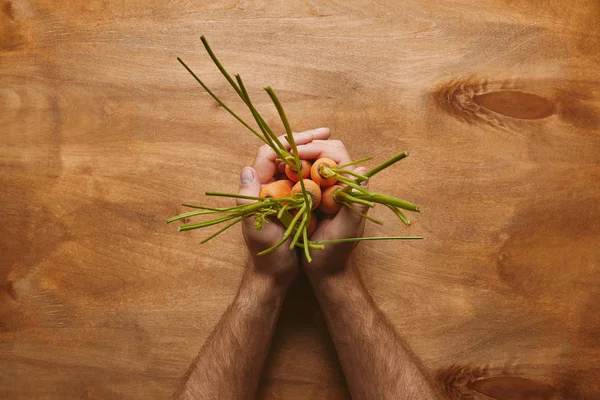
(469, 383)
(475, 101)
(9, 288)
(10, 35)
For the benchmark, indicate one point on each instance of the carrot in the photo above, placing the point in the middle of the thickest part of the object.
(277, 189)
(312, 226)
(316, 172)
(313, 190)
(328, 203)
(292, 174)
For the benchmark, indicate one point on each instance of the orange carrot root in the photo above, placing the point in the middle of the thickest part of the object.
(277, 189)
(315, 173)
(313, 190)
(328, 204)
(292, 174)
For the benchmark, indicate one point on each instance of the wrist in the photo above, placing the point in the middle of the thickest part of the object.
(258, 291)
(340, 284)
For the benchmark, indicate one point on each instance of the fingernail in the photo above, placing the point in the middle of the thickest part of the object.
(322, 129)
(247, 176)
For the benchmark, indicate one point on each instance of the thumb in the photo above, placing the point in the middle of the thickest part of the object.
(350, 215)
(249, 185)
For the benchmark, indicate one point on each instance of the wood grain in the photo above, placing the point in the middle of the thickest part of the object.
(103, 134)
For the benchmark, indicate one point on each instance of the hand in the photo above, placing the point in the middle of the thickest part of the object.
(346, 223)
(281, 264)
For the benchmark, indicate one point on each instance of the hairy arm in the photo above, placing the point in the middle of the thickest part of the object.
(376, 362)
(230, 363)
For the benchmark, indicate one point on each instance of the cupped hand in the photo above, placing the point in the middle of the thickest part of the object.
(281, 264)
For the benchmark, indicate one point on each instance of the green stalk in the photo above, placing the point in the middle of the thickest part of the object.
(225, 228)
(287, 233)
(365, 216)
(268, 134)
(339, 171)
(393, 201)
(260, 120)
(368, 238)
(399, 214)
(290, 136)
(206, 208)
(234, 195)
(283, 209)
(306, 246)
(218, 64)
(362, 160)
(219, 101)
(386, 164)
(207, 223)
(303, 224)
(351, 184)
(352, 199)
(189, 214)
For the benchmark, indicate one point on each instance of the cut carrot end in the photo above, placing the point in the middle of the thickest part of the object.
(316, 175)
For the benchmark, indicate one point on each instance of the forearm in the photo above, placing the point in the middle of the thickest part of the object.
(376, 363)
(230, 363)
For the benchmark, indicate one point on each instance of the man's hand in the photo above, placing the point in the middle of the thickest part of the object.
(345, 224)
(281, 264)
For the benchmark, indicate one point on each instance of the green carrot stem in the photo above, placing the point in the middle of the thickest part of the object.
(240, 211)
(218, 64)
(340, 171)
(301, 227)
(220, 102)
(287, 233)
(204, 208)
(234, 195)
(386, 164)
(225, 228)
(283, 209)
(351, 184)
(347, 198)
(362, 160)
(190, 214)
(260, 120)
(267, 133)
(311, 245)
(399, 214)
(207, 223)
(368, 238)
(306, 246)
(384, 199)
(275, 99)
(290, 137)
(365, 216)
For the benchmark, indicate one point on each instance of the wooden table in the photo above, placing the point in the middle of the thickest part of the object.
(103, 134)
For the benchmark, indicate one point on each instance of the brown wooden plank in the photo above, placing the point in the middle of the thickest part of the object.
(103, 134)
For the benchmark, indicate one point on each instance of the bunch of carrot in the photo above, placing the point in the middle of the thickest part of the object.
(306, 187)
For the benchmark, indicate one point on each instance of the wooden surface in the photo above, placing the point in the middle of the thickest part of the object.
(103, 134)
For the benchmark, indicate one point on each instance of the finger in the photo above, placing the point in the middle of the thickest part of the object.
(264, 162)
(350, 216)
(318, 134)
(249, 185)
(315, 150)
(305, 137)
